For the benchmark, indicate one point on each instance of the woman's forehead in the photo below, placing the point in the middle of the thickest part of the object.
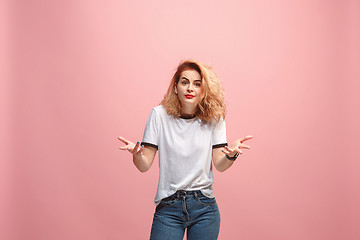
(190, 73)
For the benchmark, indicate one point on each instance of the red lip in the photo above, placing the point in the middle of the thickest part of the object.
(189, 96)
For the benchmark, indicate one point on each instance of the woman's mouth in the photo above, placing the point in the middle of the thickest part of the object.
(189, 96)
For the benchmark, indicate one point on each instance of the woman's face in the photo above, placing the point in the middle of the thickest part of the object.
(189, 88)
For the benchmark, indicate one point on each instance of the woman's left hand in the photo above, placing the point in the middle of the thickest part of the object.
(236, 146)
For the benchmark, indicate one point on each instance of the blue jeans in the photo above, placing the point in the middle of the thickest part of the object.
(189, 210)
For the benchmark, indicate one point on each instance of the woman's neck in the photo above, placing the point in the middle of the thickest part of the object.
(187, 111)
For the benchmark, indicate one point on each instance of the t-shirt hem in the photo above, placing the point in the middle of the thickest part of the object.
(219, 145)
(149, 145)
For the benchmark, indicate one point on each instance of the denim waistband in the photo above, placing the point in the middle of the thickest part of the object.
(182, 193)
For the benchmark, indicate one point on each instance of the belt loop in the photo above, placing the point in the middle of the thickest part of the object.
(196, 195)
(182, 194)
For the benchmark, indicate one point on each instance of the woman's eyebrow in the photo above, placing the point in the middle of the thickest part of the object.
(189, 80)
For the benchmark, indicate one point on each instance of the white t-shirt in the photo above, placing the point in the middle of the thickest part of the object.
(185, 151)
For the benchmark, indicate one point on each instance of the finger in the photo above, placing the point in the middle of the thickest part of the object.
(226, 152)
(123, 140)
(140, 149)
(232, 152)
(246, 138)
(137, 147)
(124, 148)
(237, 150)
(244, 146)
(229, 149)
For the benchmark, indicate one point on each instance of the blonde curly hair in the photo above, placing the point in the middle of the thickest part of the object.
(211, 105)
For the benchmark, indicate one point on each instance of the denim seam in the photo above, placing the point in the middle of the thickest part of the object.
(207, 204)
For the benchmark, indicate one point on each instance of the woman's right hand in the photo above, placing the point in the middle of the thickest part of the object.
(133, 148)
(143, 157)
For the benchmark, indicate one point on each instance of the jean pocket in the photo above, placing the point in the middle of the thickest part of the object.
(166, 202)
(169, 201)
(206, 200)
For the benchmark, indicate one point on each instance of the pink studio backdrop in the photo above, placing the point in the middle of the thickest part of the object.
(78, 74)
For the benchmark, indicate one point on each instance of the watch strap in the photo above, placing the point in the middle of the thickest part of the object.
(232, 158)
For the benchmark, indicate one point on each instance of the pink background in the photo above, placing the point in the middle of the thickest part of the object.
(75, 75)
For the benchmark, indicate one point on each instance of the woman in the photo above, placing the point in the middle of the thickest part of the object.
(188, 130)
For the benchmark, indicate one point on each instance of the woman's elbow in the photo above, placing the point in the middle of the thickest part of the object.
(143, 170)
(142, 167)
(219, 167)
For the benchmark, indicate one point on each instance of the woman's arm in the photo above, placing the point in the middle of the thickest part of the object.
(143, 157)
(220, 161)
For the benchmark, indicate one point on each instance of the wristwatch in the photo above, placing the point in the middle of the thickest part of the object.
(232, 158)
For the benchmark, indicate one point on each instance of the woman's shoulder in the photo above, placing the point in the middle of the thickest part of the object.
(159, 109)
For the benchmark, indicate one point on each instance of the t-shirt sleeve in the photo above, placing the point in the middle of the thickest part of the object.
(151, 131)
(218, 138)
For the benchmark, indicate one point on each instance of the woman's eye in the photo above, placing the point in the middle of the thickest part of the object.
(198, 84)
(184, 82)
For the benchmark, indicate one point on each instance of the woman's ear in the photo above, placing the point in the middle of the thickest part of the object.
(175, 90)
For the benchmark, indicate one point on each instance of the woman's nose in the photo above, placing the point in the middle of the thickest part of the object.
(190, 87)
